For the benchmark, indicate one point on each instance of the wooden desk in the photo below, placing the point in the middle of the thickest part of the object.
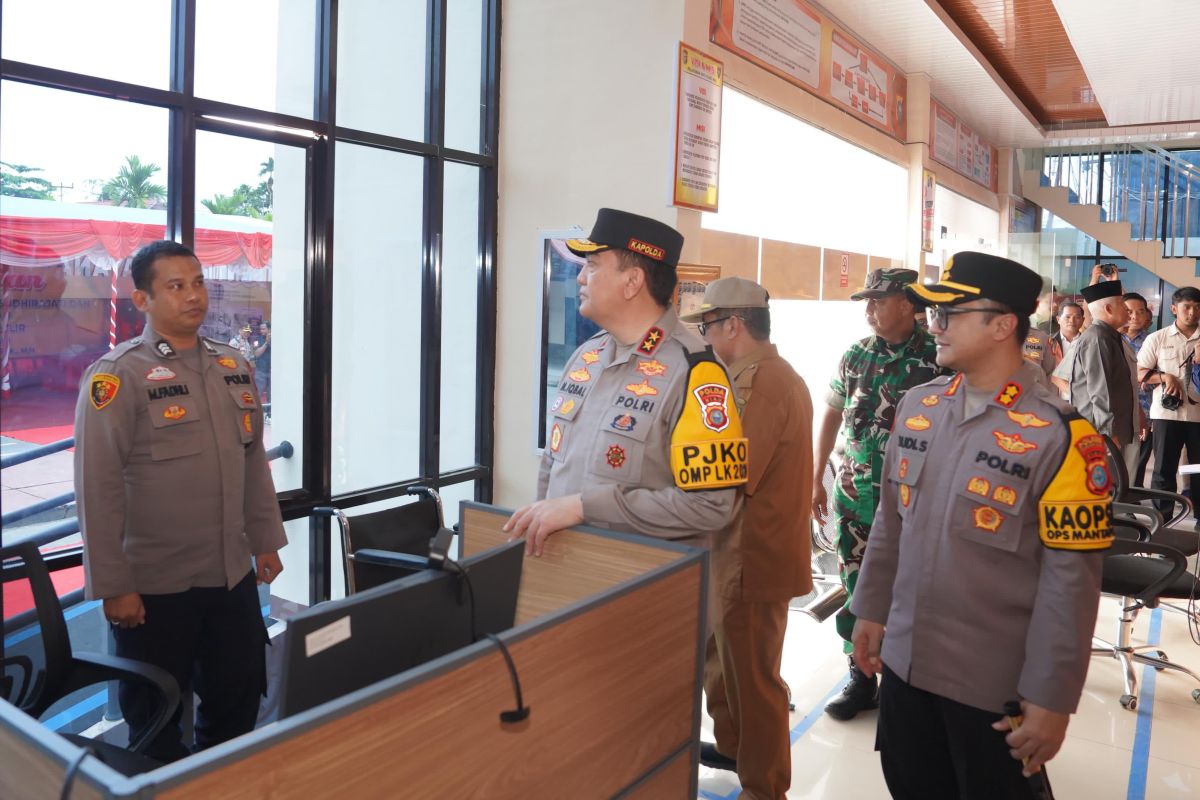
(609, 647)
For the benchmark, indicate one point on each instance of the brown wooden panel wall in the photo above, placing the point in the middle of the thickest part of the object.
(573, 566)
(831, 278)
(791, 271)
(611, 692)
(735, 253)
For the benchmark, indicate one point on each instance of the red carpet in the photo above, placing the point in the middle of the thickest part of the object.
(18, 596)
(41, 435)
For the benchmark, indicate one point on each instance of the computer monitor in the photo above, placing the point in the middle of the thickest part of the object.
(340, 646)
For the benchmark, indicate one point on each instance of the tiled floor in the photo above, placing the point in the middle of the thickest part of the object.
(1110, 753)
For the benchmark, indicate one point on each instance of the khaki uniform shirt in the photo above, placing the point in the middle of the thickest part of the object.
(1166, 351)
(1037, 350)
(171, 476)
(767, 557)
(985, 555)
(612, 430)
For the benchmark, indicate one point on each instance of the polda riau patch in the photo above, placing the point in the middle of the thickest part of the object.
(103, 389)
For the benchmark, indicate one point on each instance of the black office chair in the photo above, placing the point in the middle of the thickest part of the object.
(1142, 572)
(385, 545)
(64, 671)
(1127, 503)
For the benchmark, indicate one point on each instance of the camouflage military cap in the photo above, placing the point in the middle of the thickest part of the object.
(882, 282)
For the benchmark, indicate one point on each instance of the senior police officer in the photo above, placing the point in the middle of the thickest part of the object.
(765, 562)
(871, 378)
(644, 432)
(175, 496)
(985, 554)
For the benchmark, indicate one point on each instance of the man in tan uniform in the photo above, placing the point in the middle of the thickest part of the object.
(175, 496)
(767, 559)
(985, 553)
(644, 432)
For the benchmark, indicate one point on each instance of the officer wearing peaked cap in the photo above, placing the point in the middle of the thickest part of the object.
(175, 499)
(985, 553)
(644, 434)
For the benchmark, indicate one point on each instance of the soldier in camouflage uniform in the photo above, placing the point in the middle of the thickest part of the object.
(871, 379)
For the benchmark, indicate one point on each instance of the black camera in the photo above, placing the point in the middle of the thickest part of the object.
(1108, 270)
(1170, 402)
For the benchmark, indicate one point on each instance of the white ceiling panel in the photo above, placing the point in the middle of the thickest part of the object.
(1141, 58)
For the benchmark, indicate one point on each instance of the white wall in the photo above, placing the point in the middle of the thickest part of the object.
(586, 120)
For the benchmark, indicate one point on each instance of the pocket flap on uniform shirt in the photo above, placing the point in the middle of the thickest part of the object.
(174, 436)
(906, 468)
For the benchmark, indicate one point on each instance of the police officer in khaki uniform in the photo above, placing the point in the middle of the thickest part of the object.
(985, 554)
(175, 496)
(644, 432)
(766, 559)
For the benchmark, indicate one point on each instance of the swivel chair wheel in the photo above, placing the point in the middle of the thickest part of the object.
(1161, 657)
(1196, 695)
(1130, 702)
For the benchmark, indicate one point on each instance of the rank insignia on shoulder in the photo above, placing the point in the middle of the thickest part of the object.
(918, 423)
(164, 349)
(1009, 394)
(987, 518)
(952, 389)
(651, 341)
(103, 389)
(580, 375)
(930, 400)
(1013, 443)
(208, 346)
(979, 486)
(174, 412)
(1075, 512)
(615, 457)
(160, 373)
(652, 369)
(1028, 420)
(641, 389)
(228, 362)
(591, 356)
(555, 438)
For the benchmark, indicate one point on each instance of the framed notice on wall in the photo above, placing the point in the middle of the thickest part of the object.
(928, 191)
(697, 129)
(954, 144)
(805, 47)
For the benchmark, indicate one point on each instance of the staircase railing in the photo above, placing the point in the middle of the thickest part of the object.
(1156, 192)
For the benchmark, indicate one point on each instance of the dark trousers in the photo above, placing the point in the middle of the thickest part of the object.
(1145, 448)
(933, 748)
(1170, 437)
(211, 640)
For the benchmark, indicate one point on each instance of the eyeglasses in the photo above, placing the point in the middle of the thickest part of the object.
(704, 326)
(939, 316)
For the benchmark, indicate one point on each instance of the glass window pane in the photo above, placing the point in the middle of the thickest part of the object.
(460, 315)
(274, 42)
(250, 240)
(376, 318)
(464, 73)
(381, 67)
(76, 201)
(128, 42)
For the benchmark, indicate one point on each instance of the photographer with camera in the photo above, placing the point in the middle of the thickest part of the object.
(1164, 362)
